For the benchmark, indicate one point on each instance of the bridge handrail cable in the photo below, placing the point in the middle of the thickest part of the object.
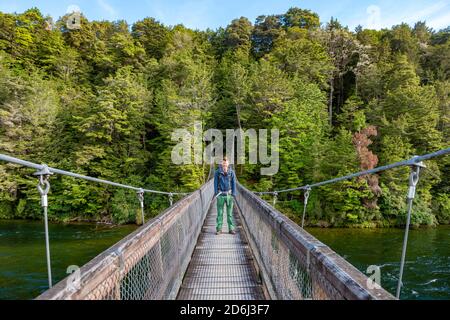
(410, 162)
(80, 176)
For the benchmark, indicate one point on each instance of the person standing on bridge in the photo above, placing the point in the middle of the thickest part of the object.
(224, 190)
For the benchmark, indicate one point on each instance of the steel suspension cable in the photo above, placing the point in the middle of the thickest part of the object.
(411, 162)
(80, 176)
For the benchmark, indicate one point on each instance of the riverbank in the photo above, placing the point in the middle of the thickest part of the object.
(321, 224)
(376, 224)
(75, 221)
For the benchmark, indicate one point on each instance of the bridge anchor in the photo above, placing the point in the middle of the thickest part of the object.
(413, 180)
(43, 188)
(140, 195)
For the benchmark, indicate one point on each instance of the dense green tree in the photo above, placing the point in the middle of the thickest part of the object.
(238, 35)
(28, 109)
(185, 96)
(422, 32)
(270, 89)
(112, 130)
(401, 74)
(296, 17)
(266, 31)
(104, 100)
(436, 62)
(233, 88)
(345, 51)
(441, 36)
(402, 40)
(302, 125)
(153, 35)
(302, 57)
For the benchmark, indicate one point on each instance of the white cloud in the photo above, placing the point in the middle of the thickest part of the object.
(425, 13)
(106, 7)
(73, 8)
(440, 22)
(434, 15)
(437, 16)
(374, 18)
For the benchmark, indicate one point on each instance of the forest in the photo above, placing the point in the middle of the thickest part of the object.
(103, 100)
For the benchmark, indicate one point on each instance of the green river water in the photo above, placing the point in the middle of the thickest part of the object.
(23, 267)
(23, 273)
(427, 268)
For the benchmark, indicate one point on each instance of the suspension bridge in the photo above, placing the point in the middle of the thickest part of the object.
(177, 254)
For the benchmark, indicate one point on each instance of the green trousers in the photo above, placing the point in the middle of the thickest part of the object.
(221, 200)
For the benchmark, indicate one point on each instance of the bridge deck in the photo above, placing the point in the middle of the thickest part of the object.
(221, 267)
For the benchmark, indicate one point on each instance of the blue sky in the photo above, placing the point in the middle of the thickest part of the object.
(201, 14)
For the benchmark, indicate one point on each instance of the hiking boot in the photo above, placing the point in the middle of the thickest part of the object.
(232, 232)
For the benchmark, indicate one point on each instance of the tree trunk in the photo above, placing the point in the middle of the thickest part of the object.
(330, 102)
(341, 93)
(238, 114)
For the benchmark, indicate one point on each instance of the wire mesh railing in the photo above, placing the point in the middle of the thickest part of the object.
(43, 174)
(416, 165)
(148, 264)
(293, 264)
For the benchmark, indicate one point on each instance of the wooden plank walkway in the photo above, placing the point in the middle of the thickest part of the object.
(221, 267)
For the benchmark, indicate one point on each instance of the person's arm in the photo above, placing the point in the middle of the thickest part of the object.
(233, 184)
(216, 183)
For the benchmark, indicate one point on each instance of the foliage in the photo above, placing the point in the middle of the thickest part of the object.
(104, 100)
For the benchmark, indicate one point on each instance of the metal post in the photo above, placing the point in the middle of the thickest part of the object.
(171, 199)
(306, 197)
(43, 188)
(120, 263)
(140, 194)
(413, 180)
(275, 196)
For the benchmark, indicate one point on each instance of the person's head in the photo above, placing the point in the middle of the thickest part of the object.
(225, 164)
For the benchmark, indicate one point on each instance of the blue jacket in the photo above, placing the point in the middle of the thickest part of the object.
(222, 181)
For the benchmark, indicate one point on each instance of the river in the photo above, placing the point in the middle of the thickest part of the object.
(23, 273)
(23, 267)
(427, 268)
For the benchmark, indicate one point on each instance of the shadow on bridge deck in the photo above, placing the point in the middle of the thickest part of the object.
(222, 266)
